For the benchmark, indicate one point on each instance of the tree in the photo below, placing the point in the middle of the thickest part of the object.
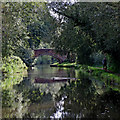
(98, 23)
(17, 31)
(13, 30)
(42, 30)
(73, 35)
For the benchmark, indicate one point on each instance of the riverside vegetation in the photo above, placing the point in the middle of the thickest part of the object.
(12, 65)
(108, 77)
(85, 32)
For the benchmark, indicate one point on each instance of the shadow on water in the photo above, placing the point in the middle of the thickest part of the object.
(80, 100)
(84, 97)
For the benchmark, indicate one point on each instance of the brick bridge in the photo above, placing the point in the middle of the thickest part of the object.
(50, 52)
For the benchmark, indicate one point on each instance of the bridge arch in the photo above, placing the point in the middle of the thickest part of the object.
(50, 52)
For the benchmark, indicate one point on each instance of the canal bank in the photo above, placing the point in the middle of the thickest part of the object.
(110, 78)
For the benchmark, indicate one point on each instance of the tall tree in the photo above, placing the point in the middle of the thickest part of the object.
(97, 23)
(21, 23)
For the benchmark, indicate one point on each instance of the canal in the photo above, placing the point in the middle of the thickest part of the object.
(52, 92)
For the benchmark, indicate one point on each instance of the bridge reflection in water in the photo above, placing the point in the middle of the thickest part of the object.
(53, 79)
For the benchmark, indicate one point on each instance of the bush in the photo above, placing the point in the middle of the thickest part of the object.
(13, 64)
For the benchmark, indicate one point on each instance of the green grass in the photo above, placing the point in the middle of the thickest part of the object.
(65, 64)
(94, 71)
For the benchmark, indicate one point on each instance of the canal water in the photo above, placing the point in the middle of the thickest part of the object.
(51, 92)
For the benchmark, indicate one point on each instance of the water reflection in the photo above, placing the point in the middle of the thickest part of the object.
(53, 80)
(13, 104)
(84, 97)
(82, 101)
(59, 112)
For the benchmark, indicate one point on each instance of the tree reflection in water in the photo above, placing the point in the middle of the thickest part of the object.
(13, 104)
(80, 100)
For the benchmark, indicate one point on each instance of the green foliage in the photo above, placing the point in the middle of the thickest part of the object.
(94, 71)
(86, 28)
(82, 98)
(41, 31)
(11, 80)
(73, 41)
(79, 30)
(14, 101)
(34, 95)
(66, 65)
(26, 54)
(24, 25)
(13, 64)
(14, 33)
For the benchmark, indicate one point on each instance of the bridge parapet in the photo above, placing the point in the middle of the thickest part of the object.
(50, 52)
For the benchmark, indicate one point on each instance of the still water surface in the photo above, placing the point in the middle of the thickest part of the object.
(41, 96)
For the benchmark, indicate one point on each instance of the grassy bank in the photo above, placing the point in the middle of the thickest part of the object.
(63, 65)
(110, 79)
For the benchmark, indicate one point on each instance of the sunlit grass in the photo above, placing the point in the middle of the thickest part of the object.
(95, 71)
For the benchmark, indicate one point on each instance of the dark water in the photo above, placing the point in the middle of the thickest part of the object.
(84, 97)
